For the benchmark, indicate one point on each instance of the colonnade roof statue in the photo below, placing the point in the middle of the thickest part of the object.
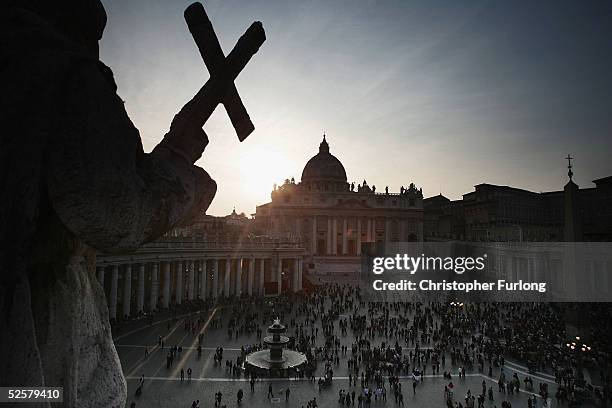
(75, 179)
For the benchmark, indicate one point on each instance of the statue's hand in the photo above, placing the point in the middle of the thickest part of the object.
(188, 142)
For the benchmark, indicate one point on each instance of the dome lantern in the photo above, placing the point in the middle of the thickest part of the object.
(324, 147)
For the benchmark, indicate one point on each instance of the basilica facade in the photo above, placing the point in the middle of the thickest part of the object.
(334, 218)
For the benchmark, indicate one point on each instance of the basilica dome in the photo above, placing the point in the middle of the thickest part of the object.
(324, 167)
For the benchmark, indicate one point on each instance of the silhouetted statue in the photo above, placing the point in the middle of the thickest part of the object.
(75, 179)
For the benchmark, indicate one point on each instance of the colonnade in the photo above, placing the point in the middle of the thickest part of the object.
(150, 285)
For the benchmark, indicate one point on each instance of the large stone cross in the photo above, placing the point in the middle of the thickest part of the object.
(208, 44)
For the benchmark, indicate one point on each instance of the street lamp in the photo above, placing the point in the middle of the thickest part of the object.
(580, 348)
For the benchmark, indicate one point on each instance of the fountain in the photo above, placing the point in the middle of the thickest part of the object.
(275, 359)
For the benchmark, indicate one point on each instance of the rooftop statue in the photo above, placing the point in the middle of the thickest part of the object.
(75, 180)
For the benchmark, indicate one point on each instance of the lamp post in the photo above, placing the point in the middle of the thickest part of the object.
(580, 349)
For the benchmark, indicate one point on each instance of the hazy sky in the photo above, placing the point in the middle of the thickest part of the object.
(445, 94)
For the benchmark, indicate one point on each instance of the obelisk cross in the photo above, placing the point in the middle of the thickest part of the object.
(208, 44)
(570, 173)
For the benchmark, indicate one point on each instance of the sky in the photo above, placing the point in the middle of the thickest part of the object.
(445, 94)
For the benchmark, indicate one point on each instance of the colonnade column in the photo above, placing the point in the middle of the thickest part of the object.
(166, 288)
(141, 288)
(100, 271)
(127, 289)
(179, 282)
(279, 275)
(226, 286)
(238, 275)
(295, 275)
(344, 237)
(203, 278)
(215, 283)
(262, 277)
(251, 276)
(154, 285)
(113, 292)
(191, 281)
(369, 234)
(300, 273)
(358, 240)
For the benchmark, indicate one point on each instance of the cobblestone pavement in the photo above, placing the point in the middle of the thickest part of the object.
(164, 388)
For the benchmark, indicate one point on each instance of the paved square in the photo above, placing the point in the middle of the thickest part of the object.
(163, 386)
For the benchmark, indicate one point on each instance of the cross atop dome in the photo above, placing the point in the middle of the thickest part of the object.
(324, 147)
(569, 158)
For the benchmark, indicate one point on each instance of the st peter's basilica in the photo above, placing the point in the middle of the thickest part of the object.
(334, 219)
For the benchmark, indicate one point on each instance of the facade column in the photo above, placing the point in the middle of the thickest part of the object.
(127, 289)
(329, 235)
(203, 279)
(335, 237)
(279, 275)
(112, 307)
(179, 282)
(530, 271)
(154, 285)
(100, 272)
(369, 234)
(191, 281)
(262, 277)
(295, 275)
(358, 240)
(166, 287)
(228, 269)
(251, 276)
(313, 238)
(344, 237)
(215, 282)
(141, 288)
(387, 232)
(238, 275)
(300, 276)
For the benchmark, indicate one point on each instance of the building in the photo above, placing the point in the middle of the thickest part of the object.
(436, 223)
(503, 213)
(212, 228)
(334, 218)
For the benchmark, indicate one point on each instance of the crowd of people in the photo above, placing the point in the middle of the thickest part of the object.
(383, 345)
